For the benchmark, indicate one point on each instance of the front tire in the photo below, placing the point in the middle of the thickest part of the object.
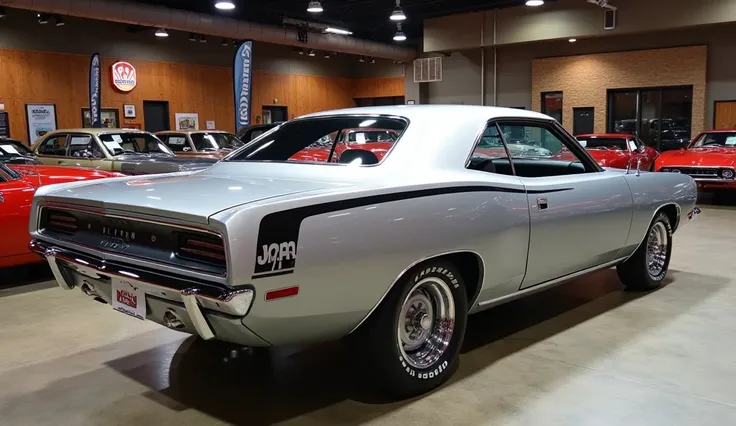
(647, 267)
(411, 342)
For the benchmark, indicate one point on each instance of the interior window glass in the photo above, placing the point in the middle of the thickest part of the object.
(79, 146)
(489, 155)
(605, 144)
(538, 152)
(133, 143)
(177, 143)
(55, 145)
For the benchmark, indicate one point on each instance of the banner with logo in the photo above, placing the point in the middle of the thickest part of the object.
(243, 68)
(95, 96)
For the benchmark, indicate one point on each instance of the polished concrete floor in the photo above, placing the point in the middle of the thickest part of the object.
(585, 353)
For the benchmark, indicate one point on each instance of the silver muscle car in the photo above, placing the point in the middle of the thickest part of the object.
(392, 250)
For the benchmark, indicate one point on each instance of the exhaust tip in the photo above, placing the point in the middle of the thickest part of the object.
(172, 321)
(89, 289)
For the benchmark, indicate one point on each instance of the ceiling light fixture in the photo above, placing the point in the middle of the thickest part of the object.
(573, 40)
(192, 37)
(224, 42)
(315, 7)
(3, 12)
(43, 18)
(225, 5)
(373, 60)
(534, 3)
(327, 55)
(397, 14)
(338, 31)
(59, 21)
(311, 52)
(162, 33)
(301, 51)
(202, 39)
(362, 59)
(399, 36)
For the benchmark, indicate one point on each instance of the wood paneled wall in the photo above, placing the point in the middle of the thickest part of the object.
(62, 79)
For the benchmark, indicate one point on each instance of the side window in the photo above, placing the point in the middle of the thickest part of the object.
(537, 150)
(55, 145)
(489, 154)
(80, 146)
(633, 147)
(177, 143)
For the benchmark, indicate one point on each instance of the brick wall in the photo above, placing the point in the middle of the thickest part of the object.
(585, 79)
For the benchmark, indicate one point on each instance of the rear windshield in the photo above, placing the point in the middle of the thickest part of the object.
(341, 139)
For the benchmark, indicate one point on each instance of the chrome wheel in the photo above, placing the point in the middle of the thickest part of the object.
(426, 322)
(657, 249)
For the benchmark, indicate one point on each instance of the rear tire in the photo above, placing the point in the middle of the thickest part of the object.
(411, 343)
(647, 267)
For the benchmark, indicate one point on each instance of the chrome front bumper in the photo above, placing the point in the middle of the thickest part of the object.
(198, 300)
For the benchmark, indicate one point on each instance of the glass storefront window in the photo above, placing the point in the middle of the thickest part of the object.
(552, 105)
(661, 116)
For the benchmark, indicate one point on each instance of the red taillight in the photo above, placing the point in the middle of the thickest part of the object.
(282, 292)
(61, 221)
(200, 248)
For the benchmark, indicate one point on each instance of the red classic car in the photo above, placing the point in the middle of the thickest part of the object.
(377, 141)
(710, 159)
(20, 176)
(619, 150)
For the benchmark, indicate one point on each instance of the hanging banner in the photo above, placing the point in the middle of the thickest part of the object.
(243, 69)
(95, 80)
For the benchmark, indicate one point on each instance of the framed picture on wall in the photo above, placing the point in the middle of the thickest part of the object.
(41, 119)
(4, 125)
(110, 118)
(129, 111)
(187, 121)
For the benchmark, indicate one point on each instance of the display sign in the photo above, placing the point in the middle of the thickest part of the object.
(187, 121)
(210, 125)
(41, 119)
(243, 69)
(95, 79)
(4, 125)
(124, 77)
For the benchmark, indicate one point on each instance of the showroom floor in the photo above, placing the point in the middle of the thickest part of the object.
(585, 353)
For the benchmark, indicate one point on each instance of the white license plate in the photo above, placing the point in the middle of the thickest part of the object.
(128, 299)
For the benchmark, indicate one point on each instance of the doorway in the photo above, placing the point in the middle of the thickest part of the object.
(583, 120)
(725, 115)
(275, 114)
(156, 116)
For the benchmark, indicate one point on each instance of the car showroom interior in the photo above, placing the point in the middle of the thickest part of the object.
(384, 212)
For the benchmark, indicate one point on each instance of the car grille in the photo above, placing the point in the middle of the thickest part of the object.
(179, 246)
(698, 172)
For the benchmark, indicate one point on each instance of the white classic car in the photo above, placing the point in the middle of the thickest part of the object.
(392, 248)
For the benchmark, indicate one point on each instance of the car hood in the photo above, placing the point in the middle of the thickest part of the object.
(190, 196)
(40, 175)
(704, 157)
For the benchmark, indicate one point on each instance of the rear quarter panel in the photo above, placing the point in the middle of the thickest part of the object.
(347, 259)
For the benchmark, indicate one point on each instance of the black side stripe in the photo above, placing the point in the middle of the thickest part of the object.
(283, 226)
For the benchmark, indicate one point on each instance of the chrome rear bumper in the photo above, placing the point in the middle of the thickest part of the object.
(72, 269)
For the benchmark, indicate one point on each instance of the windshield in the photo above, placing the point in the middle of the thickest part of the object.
(610, 144)
(319, 140)
(726, 139)
(215, 141)
(133, 143)
(11, 148)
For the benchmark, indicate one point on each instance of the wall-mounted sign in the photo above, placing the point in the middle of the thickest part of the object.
(41, 119)
(210, 125)
(4, 125)
(123, 76)
(187, 121)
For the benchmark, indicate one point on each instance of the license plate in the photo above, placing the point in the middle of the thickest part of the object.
(128, 299)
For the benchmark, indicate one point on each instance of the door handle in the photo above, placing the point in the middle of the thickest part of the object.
(542, 203)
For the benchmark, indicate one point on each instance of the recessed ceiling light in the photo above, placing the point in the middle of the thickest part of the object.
(225, 5)
(315, 7)
(337, 31)
(573, 40)
(162, 33)
(534, 2)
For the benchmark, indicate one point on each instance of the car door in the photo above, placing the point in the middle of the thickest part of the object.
(52, 150)
(16, 196)
(580, 215)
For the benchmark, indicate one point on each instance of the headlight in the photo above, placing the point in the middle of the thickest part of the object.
(727, 173)
(664, 169)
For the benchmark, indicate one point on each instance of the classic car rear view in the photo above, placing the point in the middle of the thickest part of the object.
(392, 251)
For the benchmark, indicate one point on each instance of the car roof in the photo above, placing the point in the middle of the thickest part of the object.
(719, 131)
(189, 132)
(445, 112)
(606, 135)
(96, 131)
